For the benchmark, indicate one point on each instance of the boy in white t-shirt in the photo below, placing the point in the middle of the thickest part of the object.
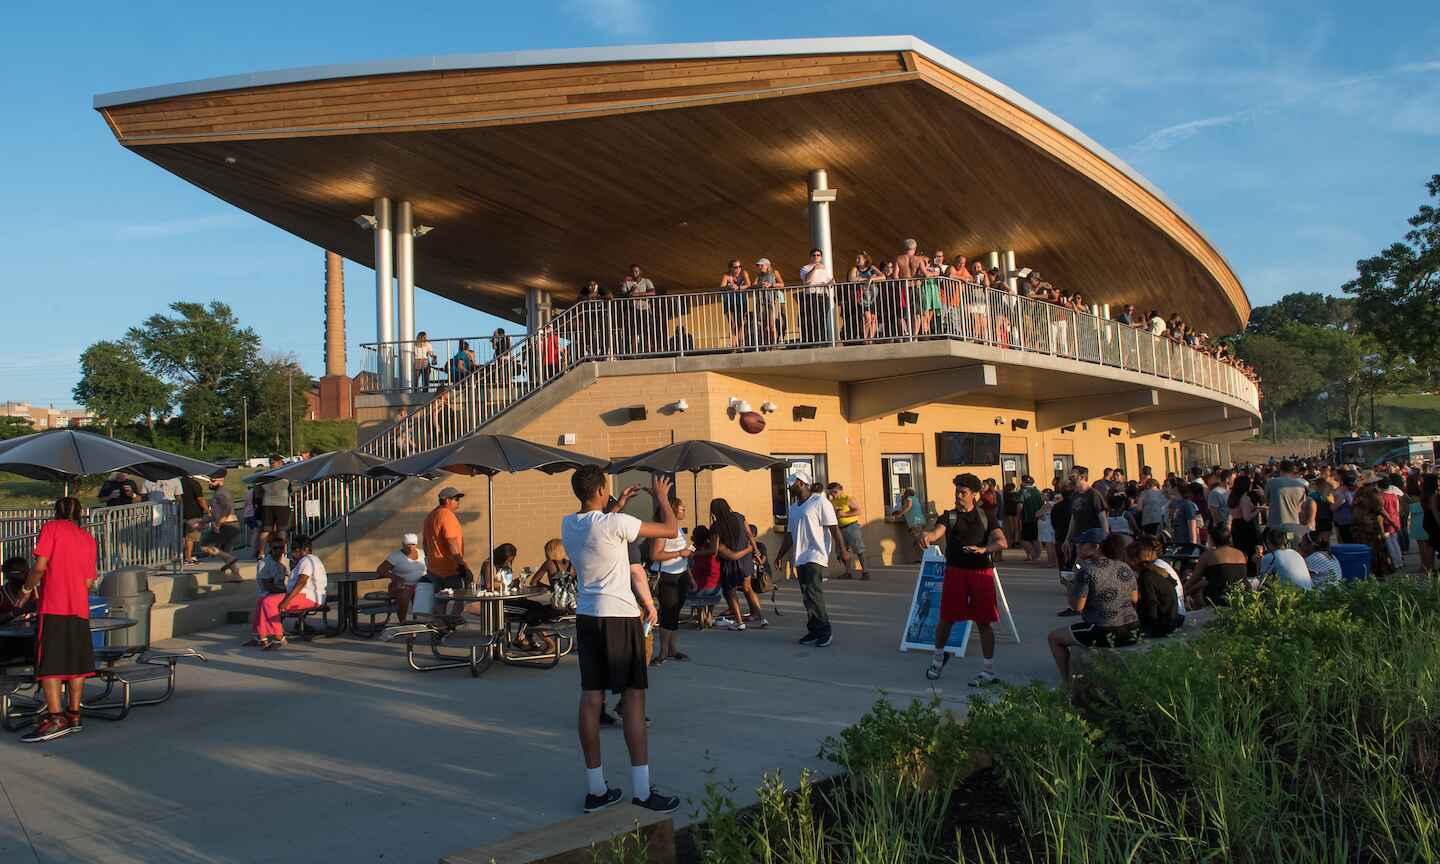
(812, 530)
(610, 639)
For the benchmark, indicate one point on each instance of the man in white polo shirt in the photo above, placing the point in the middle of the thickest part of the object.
(811, 527)
(610, 637)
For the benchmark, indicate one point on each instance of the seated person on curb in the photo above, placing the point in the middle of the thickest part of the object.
(271, 575)
(705, 574)
(16, 601)
(1161, 606)
(1216, 571)
(403, 567)
(1105, 593)
(1323, 566)
(1283, 563)
(304, 590)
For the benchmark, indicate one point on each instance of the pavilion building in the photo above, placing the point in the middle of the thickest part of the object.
(507, 181)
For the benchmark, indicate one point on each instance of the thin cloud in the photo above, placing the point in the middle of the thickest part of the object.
(177, 227)
(616, 17)
(1414, 117)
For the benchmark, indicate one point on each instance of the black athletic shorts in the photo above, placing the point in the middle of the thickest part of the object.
(273, 518)
(612, 653)
(1104, 637)
(673, 588)
(63, 648)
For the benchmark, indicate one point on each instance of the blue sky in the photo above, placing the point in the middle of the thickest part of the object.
(1297, 135)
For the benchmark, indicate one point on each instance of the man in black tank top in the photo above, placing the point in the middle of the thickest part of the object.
(968, 593)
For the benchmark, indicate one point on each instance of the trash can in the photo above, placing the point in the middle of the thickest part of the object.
(127, 592)
(1354, 560)
(99, 608)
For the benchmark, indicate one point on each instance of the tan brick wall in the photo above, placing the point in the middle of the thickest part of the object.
(528, 507)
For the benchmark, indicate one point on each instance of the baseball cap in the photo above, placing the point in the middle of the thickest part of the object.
(762, 261)
(1094, 535)
(450, 492)
(969, 481)
(409, 538)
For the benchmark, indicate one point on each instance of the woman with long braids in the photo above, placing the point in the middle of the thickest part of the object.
(736, 550)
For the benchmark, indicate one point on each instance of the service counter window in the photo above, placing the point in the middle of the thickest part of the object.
(901, 471)
(808, 466)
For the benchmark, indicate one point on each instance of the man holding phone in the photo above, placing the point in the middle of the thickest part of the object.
(613, 607)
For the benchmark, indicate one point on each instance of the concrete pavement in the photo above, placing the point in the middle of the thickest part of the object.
(334, 750)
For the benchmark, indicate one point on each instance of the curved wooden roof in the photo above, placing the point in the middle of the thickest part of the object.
(548, 168)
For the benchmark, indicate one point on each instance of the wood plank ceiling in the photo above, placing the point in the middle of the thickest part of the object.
(550, 176)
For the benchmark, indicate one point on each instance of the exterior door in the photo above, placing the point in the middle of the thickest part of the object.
(1120, 459)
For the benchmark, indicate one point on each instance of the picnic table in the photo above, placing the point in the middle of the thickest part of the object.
(486, 643)
(347, 585)
(19, 708)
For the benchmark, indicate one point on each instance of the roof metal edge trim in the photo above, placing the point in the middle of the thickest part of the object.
(661, 51)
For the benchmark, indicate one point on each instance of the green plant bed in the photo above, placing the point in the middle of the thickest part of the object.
(1300, 727)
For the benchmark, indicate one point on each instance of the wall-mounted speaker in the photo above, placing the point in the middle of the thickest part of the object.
(803, 412)
(908, 418)
(1115, 431)
(1019, 424)
(1070, 428)
(637, 412)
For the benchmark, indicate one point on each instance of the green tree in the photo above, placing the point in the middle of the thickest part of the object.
(205, 352)
(276, 389)
(1283, 367)
(14, 427)
(117, 388)
(1399, 289)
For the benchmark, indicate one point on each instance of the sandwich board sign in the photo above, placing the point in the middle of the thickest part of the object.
(924, 614)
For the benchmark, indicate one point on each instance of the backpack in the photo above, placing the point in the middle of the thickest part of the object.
(951, 519)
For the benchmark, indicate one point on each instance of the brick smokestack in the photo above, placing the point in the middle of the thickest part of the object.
(334, 314)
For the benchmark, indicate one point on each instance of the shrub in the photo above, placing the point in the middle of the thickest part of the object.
(923, 744)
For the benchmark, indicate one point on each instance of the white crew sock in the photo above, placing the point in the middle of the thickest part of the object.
(640, 781)
(990, 665)
(595, 779)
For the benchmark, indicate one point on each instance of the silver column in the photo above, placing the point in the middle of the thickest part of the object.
(405, 291)
(1008, 271)
(384, 306)
(820, 197)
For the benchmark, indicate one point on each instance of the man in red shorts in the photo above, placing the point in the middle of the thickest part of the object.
(968, 594)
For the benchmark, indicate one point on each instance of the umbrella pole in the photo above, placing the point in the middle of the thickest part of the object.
(695, 504)
(489, 514)
(345, 520)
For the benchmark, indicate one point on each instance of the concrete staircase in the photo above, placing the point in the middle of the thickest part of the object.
(198, 599)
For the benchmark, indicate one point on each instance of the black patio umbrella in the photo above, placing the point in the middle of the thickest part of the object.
(68, 454)
(695, 456)
(488, 455)
(339, 464)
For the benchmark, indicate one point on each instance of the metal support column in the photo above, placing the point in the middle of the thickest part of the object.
(820, 197)
(405, 290)
(384, 306)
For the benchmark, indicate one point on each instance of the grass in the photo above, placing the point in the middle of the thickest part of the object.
(22, 493)
(1302, 727)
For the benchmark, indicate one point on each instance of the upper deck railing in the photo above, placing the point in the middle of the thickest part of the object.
(765, 319)
(847, 313)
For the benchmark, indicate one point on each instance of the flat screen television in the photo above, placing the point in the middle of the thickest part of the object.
(954, 449)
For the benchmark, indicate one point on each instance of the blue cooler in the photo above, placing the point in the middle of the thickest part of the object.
(99, 608)
(1354, 560)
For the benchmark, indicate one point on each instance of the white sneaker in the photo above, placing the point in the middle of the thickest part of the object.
(724, 621)
(937, 665)
(738, 627)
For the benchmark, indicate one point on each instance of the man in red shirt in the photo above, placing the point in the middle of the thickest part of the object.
(65, 571)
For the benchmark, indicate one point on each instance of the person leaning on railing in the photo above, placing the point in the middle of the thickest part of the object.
(734, 282)
(860, 314)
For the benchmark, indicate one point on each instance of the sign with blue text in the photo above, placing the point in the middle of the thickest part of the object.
(924, 614)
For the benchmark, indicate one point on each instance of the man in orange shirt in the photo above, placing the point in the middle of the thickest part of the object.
(444, 544)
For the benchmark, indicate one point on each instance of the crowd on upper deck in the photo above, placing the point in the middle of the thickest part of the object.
(755, 301)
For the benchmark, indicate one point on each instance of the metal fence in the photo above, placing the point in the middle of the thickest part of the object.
(135, 535)
(432, 364)
(760, 319)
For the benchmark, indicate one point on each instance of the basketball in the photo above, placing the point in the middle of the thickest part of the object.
(752, 422)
